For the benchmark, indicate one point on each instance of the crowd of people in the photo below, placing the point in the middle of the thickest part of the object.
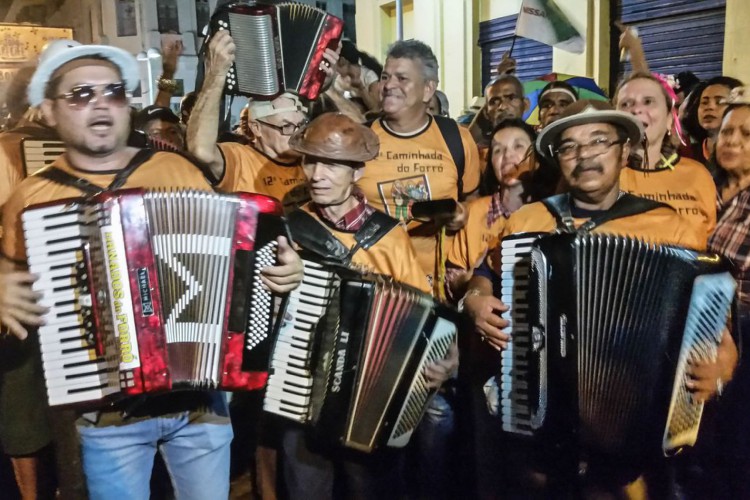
(666, 160)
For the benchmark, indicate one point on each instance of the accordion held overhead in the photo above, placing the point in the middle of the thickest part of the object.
(349, 357)
(279, 48)
(152, 290)
(602, 329)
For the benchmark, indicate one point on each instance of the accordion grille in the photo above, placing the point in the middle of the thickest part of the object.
(411, 412)
(192, 235)
(709, 305)
(256, 63)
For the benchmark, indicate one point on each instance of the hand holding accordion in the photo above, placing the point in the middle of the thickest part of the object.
(602, 330)
(278, 48)
(153, 290)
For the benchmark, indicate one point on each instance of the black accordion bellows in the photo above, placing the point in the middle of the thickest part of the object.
(350, 354)
(611, 323)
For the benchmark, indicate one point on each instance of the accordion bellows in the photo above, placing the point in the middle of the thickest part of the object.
(349, 357)
(602, 329)
(152, 290)
(279, 48)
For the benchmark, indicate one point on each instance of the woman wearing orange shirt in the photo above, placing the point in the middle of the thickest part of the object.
(512, 177)
(658, 172)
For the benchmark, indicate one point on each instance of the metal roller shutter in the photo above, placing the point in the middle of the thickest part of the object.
(677, 35)
(495, 37)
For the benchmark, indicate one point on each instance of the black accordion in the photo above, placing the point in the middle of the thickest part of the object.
(153, 290)
(602, 328)
(279, 48)
(350, 354)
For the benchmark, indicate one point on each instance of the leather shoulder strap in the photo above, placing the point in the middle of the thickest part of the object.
(452, 137)
(626, 205)
(310, 234)
(559, 206)
(374, 228)
(60, 176)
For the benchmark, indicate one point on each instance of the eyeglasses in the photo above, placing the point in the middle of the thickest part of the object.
(597, 147)
(81, 96)
(287, 128)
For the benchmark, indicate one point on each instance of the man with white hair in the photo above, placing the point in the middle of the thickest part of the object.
(267, 166)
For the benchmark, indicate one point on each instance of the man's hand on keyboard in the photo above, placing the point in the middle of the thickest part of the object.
(484, 311)
(287, 275)
(18, 302)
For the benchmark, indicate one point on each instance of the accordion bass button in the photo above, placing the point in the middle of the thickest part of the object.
(537, 339)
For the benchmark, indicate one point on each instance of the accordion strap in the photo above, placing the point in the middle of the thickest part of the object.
(625, 206)
(60, 176)
(310, 233)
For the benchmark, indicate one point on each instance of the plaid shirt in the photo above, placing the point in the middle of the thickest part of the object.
(354, 218)
(731, 238)
(497, 210)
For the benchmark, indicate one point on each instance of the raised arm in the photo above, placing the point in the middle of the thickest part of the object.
(630, 42)
(203, 126)
(171, 54)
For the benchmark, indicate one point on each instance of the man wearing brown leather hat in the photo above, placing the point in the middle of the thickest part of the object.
(334, 150)
(339, 226)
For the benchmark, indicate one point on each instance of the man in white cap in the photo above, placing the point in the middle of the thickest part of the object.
(590, 142)
(84, 91)
(268, 166)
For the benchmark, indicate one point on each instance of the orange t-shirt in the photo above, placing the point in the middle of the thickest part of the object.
(472, 241)
(247, 169)
(11, 163)
(416, 168)
(393, 255)
(162, 170)
(688, 188)
(661, 226)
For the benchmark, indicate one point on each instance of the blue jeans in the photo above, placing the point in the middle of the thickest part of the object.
(436, 450)
(118, 459)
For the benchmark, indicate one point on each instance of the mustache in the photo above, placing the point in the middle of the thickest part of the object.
(581, 166)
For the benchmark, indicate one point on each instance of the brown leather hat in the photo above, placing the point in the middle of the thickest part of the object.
(338, 137)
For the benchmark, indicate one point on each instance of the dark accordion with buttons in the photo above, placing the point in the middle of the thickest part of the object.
(150, 291)
(602, 330)
(279, 47)
(349, 358)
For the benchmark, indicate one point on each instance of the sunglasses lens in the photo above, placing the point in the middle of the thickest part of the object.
(80, 97)
(116, 94)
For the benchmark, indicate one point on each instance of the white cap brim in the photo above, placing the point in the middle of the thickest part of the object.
(124, 60)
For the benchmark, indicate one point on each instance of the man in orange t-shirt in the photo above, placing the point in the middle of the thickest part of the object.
(415, 161)
(83, 91)
(267, 166)
(591, 143)
(335, 149)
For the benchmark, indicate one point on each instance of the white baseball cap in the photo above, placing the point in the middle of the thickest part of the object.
(59, 52)
(261, 109)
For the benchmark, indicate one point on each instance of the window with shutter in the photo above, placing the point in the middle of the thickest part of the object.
(677, 35)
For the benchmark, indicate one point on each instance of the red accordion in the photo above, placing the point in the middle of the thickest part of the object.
(279, 48)
(153, 290)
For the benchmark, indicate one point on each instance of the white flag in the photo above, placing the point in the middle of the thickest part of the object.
(542, 20)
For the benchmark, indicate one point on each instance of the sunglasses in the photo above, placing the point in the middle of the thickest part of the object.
(81, 96)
